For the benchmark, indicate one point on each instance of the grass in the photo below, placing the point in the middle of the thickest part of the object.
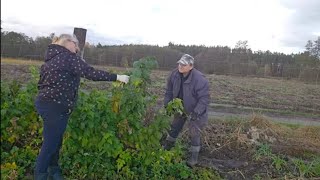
(21, 61)
(279, 162)
(307, 168)
(263, 150)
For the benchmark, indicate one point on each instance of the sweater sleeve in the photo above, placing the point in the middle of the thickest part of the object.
(203, 97)
(80, 67)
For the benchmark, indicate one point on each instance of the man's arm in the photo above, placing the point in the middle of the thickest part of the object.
(203, 98)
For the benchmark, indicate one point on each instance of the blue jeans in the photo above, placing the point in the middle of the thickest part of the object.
(55, 118)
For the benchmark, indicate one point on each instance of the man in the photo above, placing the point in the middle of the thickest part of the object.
(190, 85)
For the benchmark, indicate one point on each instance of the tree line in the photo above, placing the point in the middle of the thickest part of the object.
(223, 60)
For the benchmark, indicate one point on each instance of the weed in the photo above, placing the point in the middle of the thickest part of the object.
(278, 162)
(263, 150)
(206, 174)
(257, 177)
(304, 168)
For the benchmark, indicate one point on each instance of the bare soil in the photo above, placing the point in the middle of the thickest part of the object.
(230, 147)
(278, 99)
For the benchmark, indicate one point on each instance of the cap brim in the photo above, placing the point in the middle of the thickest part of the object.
(181, 61)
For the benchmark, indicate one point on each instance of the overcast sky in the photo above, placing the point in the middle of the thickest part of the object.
(275, 25)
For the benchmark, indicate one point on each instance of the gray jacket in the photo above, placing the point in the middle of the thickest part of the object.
(196, 96)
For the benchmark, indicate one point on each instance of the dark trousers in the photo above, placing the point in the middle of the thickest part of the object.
(55, 118)
(195, 128)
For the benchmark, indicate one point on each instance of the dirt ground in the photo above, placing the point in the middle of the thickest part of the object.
(231, 147)
(229, 94)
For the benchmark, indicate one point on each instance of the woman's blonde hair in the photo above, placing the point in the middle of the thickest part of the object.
(63, 38)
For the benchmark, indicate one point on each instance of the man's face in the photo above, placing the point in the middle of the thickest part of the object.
(184, 69)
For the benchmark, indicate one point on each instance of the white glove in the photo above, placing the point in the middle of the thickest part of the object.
(123, 78)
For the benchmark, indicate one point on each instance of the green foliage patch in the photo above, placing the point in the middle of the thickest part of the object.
(112, 134)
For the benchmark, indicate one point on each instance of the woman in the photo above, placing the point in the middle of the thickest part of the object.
(58, 87)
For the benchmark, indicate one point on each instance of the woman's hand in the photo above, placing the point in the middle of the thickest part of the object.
(123, 78)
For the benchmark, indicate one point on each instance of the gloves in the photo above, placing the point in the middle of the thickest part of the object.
(193, 116)
(123, 78)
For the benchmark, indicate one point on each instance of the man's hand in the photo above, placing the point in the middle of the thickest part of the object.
(193, 116)
(123, 78)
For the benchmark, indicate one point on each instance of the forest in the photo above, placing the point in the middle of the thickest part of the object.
(239, 60)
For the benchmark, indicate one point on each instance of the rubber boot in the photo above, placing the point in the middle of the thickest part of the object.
(40, 176)
(55, 173)
(169, 143)
(193, 160)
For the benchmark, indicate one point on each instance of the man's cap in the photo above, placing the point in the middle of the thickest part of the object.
(186, 59)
